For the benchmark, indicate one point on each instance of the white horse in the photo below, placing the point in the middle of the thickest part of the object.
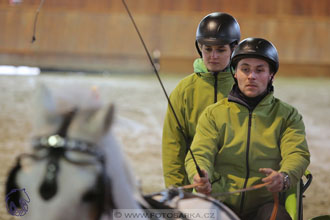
(69, 174)
(77, 170)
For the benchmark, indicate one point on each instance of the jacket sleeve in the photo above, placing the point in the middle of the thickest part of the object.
(204, 145)
(294, 149)
(174, 145)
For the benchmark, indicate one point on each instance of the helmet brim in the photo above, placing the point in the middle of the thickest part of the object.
(272, 65)
(213, 41)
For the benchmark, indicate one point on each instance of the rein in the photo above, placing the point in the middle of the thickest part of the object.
(254, 187)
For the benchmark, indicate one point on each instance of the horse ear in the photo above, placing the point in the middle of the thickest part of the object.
(108, 117)
(44, 118)
(45, 99)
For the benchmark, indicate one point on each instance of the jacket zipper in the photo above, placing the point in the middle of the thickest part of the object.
(247, 160)
(215, 86)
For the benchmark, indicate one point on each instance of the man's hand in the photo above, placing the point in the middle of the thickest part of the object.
(205, 186)
(274, 178)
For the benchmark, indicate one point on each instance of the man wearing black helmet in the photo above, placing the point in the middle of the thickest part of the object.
(250, 137)
(216, 37)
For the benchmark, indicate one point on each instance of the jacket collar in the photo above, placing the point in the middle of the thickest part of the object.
(201, 70)
(237, 96)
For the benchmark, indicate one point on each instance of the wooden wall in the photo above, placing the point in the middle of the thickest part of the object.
(98, 35)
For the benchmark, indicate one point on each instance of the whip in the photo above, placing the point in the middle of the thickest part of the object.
(161, 83)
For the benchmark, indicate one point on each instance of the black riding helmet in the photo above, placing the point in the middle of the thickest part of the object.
(256, 48)
(217, 28)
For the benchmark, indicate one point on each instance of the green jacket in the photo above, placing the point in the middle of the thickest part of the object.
(232, 143)
(191, 96)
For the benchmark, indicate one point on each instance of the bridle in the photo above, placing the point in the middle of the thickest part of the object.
(59, 146)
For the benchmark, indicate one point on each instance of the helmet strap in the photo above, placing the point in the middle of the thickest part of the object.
(233, 74)
(198, 50)
(270, 86)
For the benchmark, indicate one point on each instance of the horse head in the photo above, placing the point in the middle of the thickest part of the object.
(76, 169)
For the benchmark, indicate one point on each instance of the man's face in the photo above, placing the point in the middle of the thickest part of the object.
(216, 58)
(253, 76)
